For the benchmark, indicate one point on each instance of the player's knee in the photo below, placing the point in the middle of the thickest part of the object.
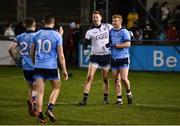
(105, 81)
(116, 81)
(57, 87)
(89, 78)
(124, 79)
(56, 90)
(34, 88)
(117, 84)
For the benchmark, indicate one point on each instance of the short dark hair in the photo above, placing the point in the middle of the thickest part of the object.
(48, 19)
(29, 22)
(97, 12)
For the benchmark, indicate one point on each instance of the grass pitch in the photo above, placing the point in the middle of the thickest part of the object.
(156, 100)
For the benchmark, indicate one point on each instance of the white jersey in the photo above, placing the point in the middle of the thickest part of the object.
(99, 38)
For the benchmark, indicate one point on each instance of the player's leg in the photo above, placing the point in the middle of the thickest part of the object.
(55, 91)
(124, 77)
(105, 72)
(54, 77)
(87, 85)
(40, 93)
(118, 87)
(52, 99)
(117, 80)
(32, 93)
(29, 101)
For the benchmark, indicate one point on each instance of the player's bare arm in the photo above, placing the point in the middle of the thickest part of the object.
(123, 45)
(11, 51)
(62, 62)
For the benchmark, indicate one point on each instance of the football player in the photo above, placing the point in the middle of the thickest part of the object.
(47, 47)
(23, 43)
(98, 36)
(120, 41)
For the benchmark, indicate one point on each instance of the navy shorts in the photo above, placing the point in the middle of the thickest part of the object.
(117, 64)
(47, 74)
(28, 76)
(101, 60)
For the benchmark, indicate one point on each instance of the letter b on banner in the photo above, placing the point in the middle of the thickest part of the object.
(158, 59)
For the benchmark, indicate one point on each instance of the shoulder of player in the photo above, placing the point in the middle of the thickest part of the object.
(22, 34)
(123, 29)
(90, 29)
(37, 32)
(106, 24)
(19, 36)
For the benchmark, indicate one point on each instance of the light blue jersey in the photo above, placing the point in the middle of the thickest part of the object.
(24, 42)
(119, 36)
(46, 42)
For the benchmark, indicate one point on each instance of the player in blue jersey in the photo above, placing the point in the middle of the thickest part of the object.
(23, 43)
(120, 41)
(47, 49)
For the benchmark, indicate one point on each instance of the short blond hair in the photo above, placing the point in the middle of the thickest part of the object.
(117, 16)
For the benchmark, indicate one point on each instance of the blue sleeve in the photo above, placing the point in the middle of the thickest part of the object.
(59, 39)
(17, 38)
(126, 36)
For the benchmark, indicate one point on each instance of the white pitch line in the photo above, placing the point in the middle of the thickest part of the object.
(160, 106)
(13, 77)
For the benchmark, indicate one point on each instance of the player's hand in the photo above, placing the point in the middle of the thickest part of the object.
(65, 75)
(110, 45)
(60, 30)
(18, 62)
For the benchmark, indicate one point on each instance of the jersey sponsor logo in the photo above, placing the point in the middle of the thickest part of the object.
(102, 36)
(94, 32)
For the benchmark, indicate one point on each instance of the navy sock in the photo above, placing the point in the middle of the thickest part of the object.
(50, 106)
(34, 98)
(128, 91)
(119, 98)
(41, 116)
(105, 96)
(85, 97)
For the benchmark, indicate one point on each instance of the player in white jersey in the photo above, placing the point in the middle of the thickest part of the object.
(23, 42)
(47, 49)
(98, 36)
(120, 41)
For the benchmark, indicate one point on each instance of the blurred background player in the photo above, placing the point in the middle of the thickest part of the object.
(98, 36)
(46, 48)
(77, 34)
(120, 41)
(23, 42)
